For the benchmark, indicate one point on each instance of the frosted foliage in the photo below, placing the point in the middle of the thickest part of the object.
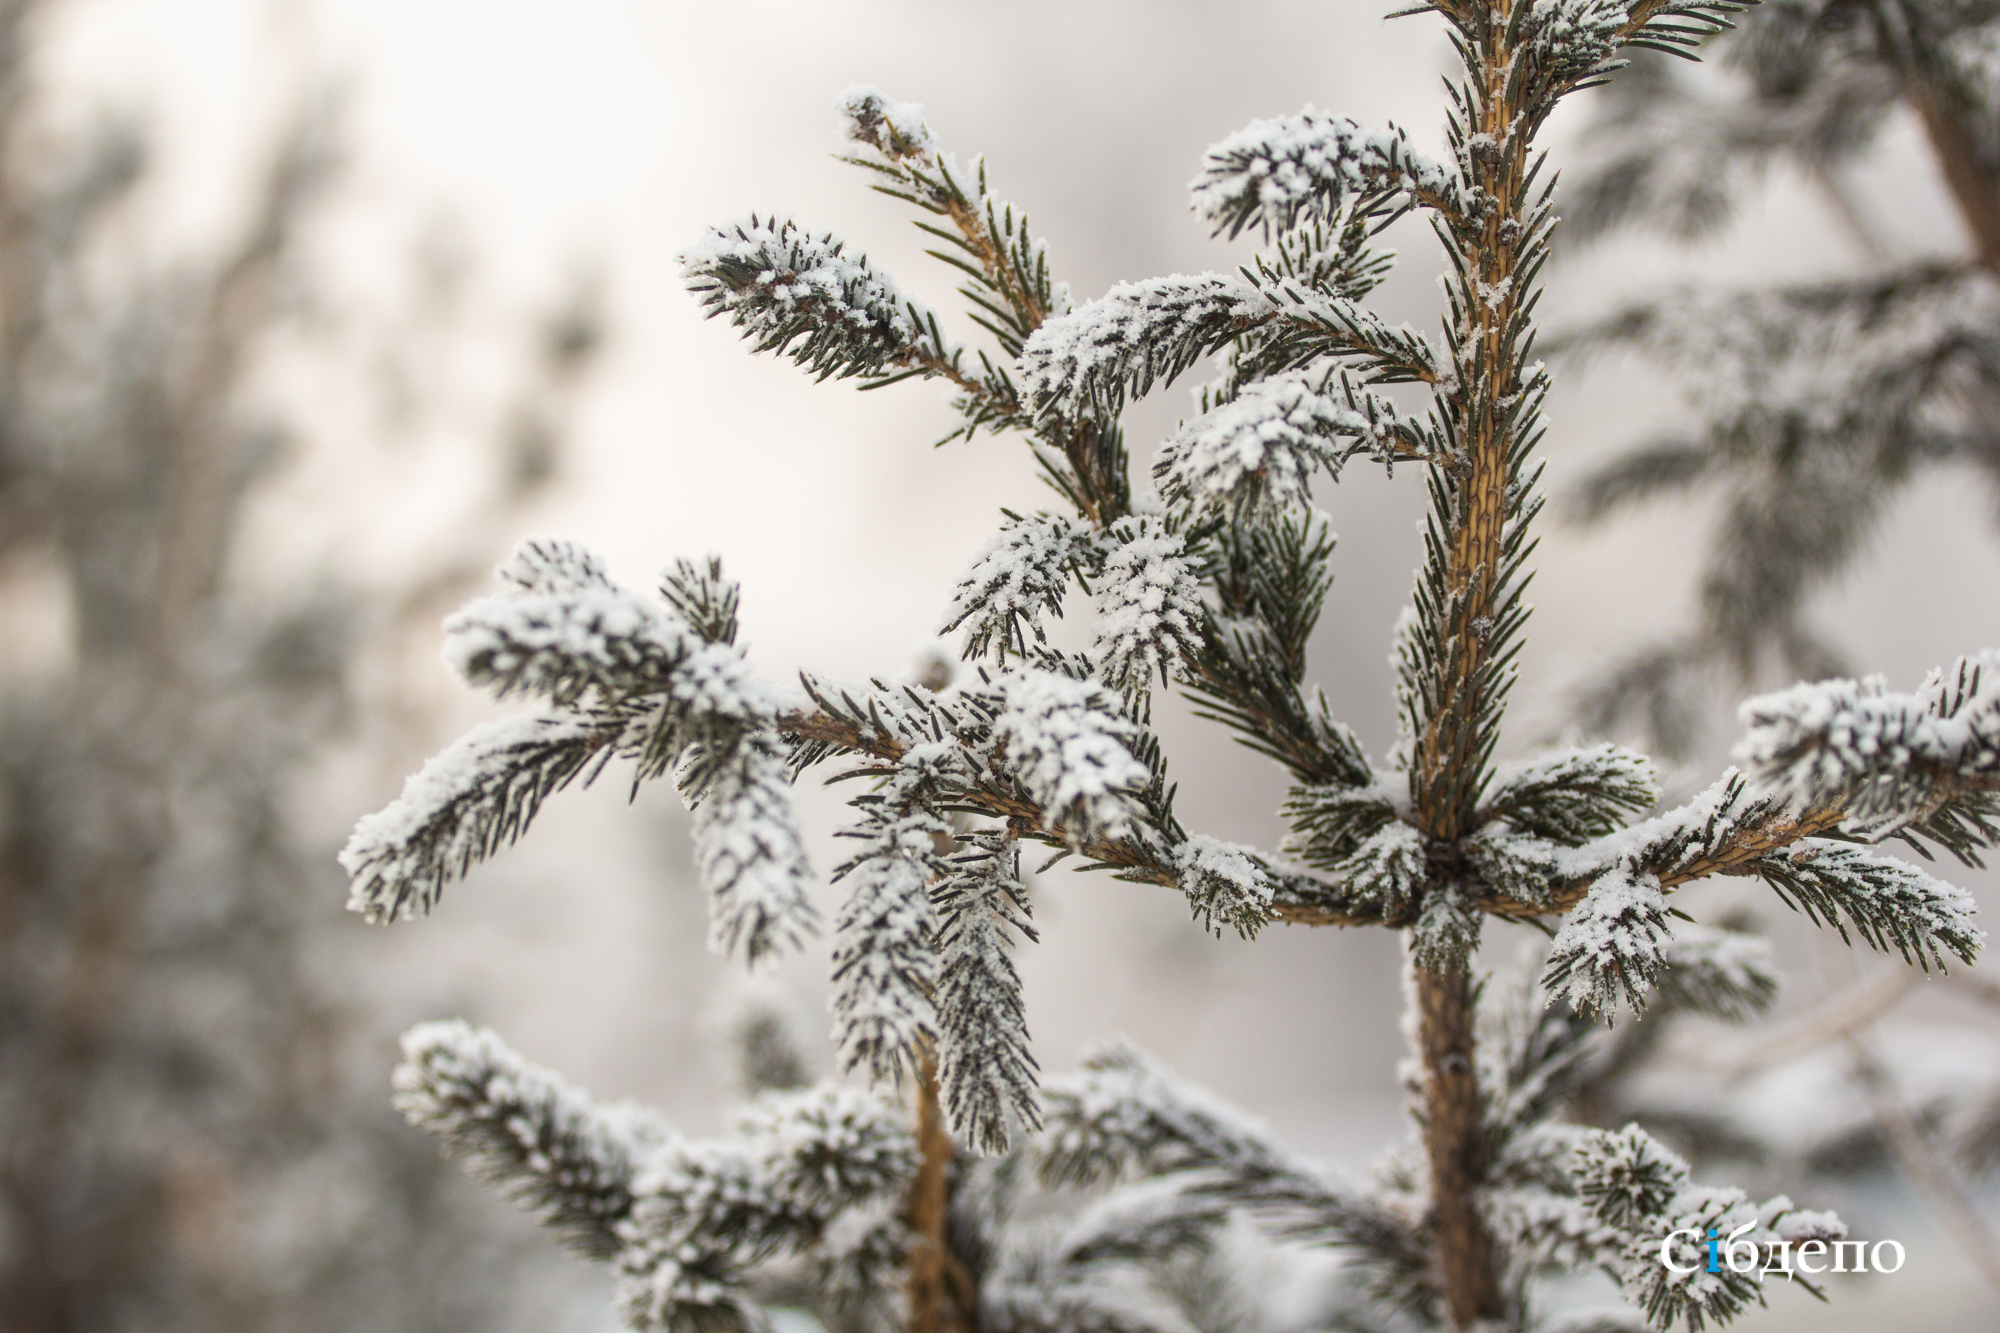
(884, 966)
(1644, 1192)
(1066, 743)
(553, 565)
(1611, 944)
(1125, 1113)
(1133, 335)
(1142, 333)
(894, 129)
(1224, 884)
(1273, 172)
(751, 853)
(582, 645)
(829, 1147)
(1580, 32)
(986, 1073)
(803, 296)
(704, 1212)
(1387, 866)
(1889, 902)
(1019, 576)
(567, 1161)
(1446, 930)
(476, 794)
(1101, 1307)
(1255, 455)
(1571, 796)
(1881, 752)
(1149, 608)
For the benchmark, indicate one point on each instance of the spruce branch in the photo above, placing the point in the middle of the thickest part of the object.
(986, 1072)
(1020, 575)
(885, 965)
(1273, 173)
(1141, 333)
(1007, 266)
(1149, 608)
(1923, 766)
(468, 801)
(804, 297)
(1645, 1193)
(1254, 456)
(552, 1151)
(878, 726)
(630, 677)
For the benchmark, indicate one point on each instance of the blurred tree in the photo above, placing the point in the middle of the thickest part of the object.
(184, 1147)
(1818, 403)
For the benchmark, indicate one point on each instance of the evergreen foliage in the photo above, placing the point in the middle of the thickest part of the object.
(1217, 584)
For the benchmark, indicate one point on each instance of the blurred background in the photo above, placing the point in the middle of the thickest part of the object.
(309, 311)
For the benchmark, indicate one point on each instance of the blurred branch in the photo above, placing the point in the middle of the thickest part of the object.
(1926, 1169)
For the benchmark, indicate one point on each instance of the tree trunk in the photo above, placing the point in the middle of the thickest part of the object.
(1455, 1142)
(936, 1283)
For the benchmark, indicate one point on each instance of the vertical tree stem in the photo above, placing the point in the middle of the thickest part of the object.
(1455, 1142)
(1474, 503)
(929, 1198)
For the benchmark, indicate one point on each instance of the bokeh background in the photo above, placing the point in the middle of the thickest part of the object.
(385, 285)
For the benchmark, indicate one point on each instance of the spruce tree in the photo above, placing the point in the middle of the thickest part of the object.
(906, 1196)
(1818, 402)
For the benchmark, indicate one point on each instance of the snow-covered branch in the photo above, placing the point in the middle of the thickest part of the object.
(805, 297)
(1647, 1196)
(1926, 764)
(1271, 173)
(1254, 455)
(566, 1160)
(468, 801)
(1142, 333)
(628, 676)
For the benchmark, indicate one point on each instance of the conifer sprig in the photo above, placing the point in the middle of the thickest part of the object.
(626, 677)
